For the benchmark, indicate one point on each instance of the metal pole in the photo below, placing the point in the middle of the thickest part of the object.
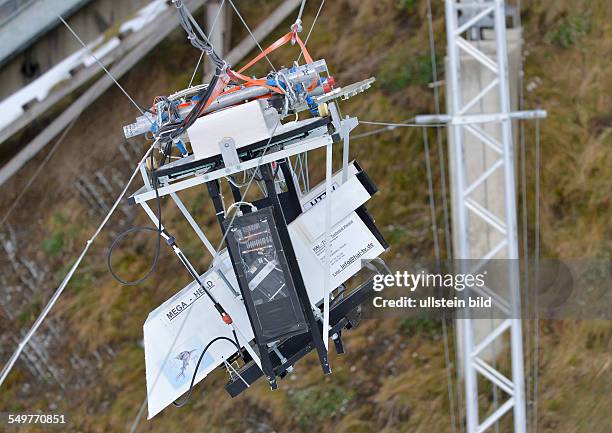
(463, 246)
(516, 336)
(468, 212)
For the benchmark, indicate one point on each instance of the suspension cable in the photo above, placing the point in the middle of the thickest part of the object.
(311, 27)
(406, 124)
(251, 33)
(436, 92)
(44, 162)
(138, 107)
(455, 413)
(201, 42)
(536, 254)
(210, 32)
(298, 21)
(45, 312)
(195, 70)
(434, 229)
(392, 126)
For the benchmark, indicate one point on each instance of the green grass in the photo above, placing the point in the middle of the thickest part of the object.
(62, 232)
(569, 30)
(406, 5)
(54, 244)
(398, 385)
(318, 403)
(414, 326)
(397, 72)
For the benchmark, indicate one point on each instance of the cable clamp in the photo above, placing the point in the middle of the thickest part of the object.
(295, 29)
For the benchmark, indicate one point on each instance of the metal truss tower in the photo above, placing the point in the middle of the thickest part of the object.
(491, 129)
(467, 209)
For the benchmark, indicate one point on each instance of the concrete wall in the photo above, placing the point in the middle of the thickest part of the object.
(89, 22)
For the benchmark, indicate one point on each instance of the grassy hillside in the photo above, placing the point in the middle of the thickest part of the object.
(393, 376)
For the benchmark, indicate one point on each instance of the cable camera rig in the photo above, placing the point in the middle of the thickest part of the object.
(276, 292)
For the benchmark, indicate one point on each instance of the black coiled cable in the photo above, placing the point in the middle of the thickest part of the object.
(127, 232)
(187, 395)
(165, 144)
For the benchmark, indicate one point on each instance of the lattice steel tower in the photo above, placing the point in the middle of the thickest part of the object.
(485, 224)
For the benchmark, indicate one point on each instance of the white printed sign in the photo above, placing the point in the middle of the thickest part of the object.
(319, 197)
(176, 333)
(351, 242)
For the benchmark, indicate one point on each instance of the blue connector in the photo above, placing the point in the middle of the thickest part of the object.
(271, 82)
(181, 147)
(312, 106)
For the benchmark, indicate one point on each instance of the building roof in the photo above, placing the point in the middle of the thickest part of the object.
(22, 22)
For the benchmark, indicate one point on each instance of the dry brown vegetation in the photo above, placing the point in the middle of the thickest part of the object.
(391, 380)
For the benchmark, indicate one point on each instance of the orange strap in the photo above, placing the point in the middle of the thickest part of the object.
(218, 89)
(307, 56)
(248, 81)
(291, 36)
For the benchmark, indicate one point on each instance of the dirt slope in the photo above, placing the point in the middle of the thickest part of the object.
(393, 378)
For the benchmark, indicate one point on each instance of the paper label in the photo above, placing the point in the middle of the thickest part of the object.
(184, 302)
(350, 242)
(265, 271)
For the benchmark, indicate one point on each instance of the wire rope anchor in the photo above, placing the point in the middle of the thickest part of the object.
(296, 28)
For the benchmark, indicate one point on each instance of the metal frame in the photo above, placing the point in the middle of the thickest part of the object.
(319, 333)
(316, 339)
(472, 364)
(343, 126)
(463, 17)
(147, 193)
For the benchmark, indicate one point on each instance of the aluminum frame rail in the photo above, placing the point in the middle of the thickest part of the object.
(468, 210)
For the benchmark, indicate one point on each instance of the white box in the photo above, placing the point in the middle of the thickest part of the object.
(245, 124)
